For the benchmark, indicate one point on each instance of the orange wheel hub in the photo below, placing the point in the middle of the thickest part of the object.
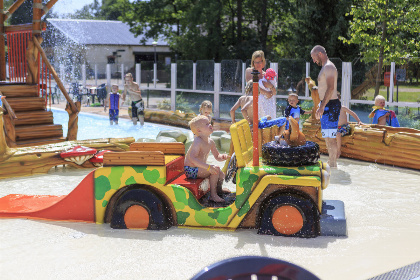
(287, 220)
(137, 216)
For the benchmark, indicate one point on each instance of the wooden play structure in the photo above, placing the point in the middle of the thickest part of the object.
(30, 142)
(395, 146)
(26, 119)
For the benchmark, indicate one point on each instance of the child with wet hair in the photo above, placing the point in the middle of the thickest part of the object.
(293, 109)
(382, 116)
(206, 109)
(195, 164)
(245, 102)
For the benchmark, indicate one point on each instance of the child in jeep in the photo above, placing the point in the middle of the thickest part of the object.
(195, 164)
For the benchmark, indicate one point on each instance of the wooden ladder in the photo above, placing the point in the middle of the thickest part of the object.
(34, 125)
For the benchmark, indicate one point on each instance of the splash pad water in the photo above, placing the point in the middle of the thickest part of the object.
(382, 235)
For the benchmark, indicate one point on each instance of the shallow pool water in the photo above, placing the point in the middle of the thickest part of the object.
(92, 126)
(383, 220)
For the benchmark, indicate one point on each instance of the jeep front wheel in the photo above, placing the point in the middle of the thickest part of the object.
(289, 215)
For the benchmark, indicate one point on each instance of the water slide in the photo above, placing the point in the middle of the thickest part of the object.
(76, 206)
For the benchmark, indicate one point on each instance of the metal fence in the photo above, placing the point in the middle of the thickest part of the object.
(185, 84)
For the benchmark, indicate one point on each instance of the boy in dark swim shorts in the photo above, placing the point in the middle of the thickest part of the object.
(137, 110)
(195, 164)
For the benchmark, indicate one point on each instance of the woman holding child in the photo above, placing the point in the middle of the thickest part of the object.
(266, 98)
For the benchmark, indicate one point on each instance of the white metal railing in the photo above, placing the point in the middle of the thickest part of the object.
(346, 82)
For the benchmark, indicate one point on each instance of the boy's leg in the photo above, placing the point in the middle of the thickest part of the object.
(134, 112)
(111, 116)
(213, 178)
(117, 112)
(220, 189)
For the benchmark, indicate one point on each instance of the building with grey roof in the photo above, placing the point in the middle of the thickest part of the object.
(73, 42)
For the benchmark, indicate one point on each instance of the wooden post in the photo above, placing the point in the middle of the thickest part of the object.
(2, 44)
(255, 156)
(73, 118)
(3, 144)
(48, 6)
(36, 20)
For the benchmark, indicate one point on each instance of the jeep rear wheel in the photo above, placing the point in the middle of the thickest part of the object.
(137, 216)
(289, 215)
(140, 209)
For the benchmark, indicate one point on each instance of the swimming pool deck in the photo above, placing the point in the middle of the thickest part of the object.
(218, 124)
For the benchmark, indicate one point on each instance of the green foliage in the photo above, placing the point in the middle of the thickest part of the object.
(391, 25)
(307, 106)
(318, 22)
(97, 104)
(202, 29)
(182, 104)
(22, 15)
(165, 104)
(410, 120)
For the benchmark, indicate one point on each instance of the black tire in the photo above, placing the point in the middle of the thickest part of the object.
(231, 169)
(307, 209)
(159, 216)
(274, 154)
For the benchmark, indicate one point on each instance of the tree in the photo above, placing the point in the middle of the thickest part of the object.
(202, 29)
(318, 22)
(23, 14)
(90, 11)
(386, 31)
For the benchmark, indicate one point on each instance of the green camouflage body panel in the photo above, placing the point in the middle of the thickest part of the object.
(108, 180)
(189, 212)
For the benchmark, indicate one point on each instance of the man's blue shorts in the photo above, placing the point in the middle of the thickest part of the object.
(329, 120)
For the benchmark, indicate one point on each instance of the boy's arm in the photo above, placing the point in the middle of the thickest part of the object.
(233, 109)
(218, 156)
(353, 114)
(106, 101)
(124, 92)
(269, 93)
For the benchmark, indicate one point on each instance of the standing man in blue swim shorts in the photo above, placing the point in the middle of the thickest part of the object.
(330, 106)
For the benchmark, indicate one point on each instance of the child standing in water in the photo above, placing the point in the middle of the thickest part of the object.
(137, 104)
(195, 164)
(113, 99)
(206, 109)
(381, 115)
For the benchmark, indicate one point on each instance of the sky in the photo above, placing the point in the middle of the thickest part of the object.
(70, 6)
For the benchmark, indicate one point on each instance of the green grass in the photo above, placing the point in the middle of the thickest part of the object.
(405, 93)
